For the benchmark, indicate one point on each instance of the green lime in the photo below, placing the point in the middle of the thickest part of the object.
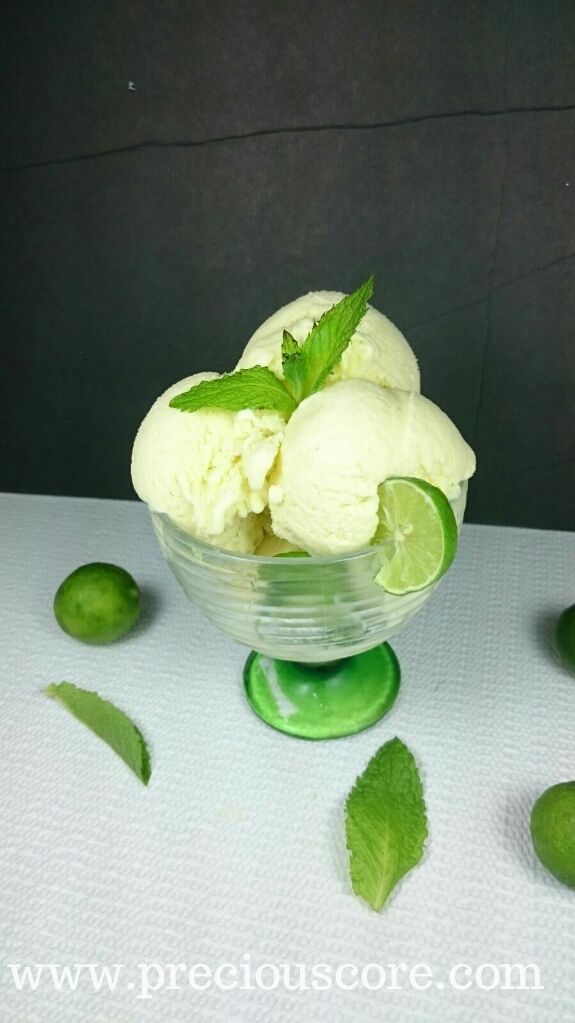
(97, 603)
(419, 521)
(565, 637)
(553, 831)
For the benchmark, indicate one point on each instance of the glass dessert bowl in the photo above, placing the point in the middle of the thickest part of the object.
(321, 666)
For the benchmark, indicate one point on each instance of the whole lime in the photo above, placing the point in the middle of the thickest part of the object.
(553, 831)
(97, 603)
(565, 637)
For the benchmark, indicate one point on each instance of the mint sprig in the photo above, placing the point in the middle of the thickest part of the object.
(306, 370)
(306, 367)
(290, 348)
(386, 826)
(108, 723)
(256, 388)
(293, 366)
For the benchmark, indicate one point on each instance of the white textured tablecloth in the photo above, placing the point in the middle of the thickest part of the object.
(235, 853)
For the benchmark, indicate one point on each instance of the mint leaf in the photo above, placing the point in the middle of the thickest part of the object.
(325, 344)
(293, 367)
(256, 387)
(386, 826)
(290, 347)
(306, 367)
(108, 723)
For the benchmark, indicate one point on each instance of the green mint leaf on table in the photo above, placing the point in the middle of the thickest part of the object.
(306, 371)
(256, 388)
(386, 826)
(108, 723)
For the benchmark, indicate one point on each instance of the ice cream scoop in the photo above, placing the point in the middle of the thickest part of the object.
(340, 444)
(207, 470)
(377, 351)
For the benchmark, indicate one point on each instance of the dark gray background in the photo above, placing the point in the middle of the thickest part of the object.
(270, 148)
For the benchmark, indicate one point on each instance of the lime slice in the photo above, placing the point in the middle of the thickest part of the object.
(419, 521)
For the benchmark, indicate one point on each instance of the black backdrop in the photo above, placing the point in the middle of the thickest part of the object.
(266, 148)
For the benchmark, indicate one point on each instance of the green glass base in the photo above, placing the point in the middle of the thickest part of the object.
(324, 701)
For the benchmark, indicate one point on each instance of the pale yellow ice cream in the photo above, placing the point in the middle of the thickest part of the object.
(271, 545)
(377, 351)
(207, 470)
(250, 482)
(340, 444)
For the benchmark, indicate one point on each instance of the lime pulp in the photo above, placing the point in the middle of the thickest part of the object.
(418, 534)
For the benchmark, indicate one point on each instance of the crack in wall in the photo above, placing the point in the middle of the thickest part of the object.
(490, 291)
(139, 147)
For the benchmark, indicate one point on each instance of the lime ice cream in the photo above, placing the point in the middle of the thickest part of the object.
(207, 471)
(340, 444)
(254, 480)
(377, 351)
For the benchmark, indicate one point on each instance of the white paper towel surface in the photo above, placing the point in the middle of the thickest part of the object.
(235, 853)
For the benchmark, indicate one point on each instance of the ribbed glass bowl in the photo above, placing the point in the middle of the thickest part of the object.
(312, 611)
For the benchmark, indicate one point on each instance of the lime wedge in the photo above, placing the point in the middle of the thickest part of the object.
(419, 521)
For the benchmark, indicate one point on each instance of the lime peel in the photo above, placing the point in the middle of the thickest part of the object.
(552, 828)
(97, 603)
(565, 637)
